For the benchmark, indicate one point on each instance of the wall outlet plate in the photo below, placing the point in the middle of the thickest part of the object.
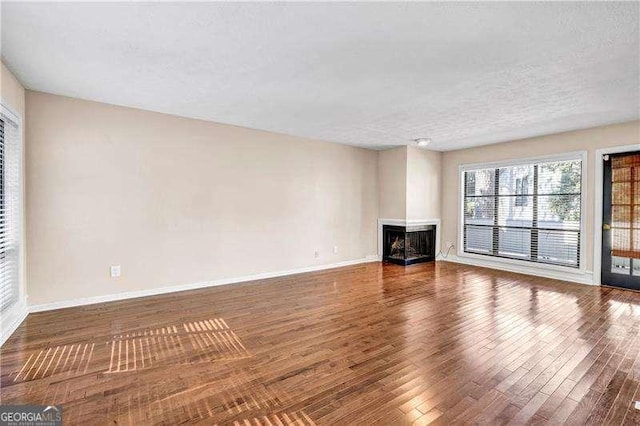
(115, 271)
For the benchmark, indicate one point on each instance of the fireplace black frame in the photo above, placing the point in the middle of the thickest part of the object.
(426, 234)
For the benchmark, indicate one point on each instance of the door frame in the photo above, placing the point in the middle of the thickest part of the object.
(598, 205)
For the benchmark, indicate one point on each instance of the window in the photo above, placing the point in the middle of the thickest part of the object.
(525, 211)
(10, 206)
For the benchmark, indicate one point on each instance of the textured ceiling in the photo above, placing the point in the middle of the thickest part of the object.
(366, 74)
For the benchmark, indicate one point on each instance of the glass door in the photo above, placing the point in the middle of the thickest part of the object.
(621, 221)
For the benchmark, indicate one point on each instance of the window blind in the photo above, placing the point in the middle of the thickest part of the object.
(625, 206)
(531, 212)
(10, 200)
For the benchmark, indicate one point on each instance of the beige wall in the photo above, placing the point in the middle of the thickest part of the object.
(424, 169)
(11, 90)
(179, 201)
(580, 140)
(409, 182)
(392, 182)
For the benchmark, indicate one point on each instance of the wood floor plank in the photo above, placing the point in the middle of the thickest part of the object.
(371, 344)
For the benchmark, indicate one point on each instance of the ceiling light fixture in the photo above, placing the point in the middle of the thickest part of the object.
(422, 142)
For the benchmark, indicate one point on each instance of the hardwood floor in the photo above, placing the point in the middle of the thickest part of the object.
(368, 344)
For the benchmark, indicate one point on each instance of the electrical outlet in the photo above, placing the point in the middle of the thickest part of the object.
(316, 254)
(115, 271)
(335, 249)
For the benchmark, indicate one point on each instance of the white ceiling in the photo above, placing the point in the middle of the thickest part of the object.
(366, 74)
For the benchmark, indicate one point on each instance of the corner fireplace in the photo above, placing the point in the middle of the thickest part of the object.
(406, 245)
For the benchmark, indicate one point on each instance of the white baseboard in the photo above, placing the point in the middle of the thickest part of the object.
(172, 289)
(586, 278)
(11, 320)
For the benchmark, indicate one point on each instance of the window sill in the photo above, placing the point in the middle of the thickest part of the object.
(580, 276)
(520, 263)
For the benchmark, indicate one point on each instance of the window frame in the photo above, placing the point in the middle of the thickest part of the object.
(19, 307)
(488, 259)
